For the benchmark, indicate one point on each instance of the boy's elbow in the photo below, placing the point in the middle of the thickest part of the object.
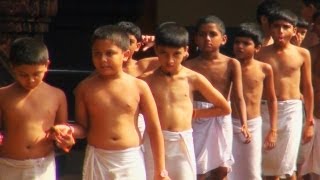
(227, 110)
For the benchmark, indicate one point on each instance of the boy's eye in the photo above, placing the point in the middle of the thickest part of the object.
(210, 34)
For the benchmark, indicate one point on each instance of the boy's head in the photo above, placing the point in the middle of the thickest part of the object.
(109, 47)
(28, 61)
(172, 35)
(171, 46)
(210, 34)
(283, 26)
(302, 29)
(115, 34)
(134, 34)
(210, 19)
(265, 9)
(247, 40)
(285, 15)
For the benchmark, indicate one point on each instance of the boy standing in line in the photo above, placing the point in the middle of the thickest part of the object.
(107, 106)
(213, 135)
(292, 69)
(30, 108)
(256, 78)
(172, 86)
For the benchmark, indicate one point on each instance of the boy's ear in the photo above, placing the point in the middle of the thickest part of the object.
(126, 55)
(186, 55)
(294, 30)
(224, 39)
(257, 48)
(138, 46)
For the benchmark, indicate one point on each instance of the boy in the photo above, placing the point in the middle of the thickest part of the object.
(309, 7)
(263, 11)
(302, 29)
(107, 106)
(27, 151)
(291, 66)
(213, 135)
(172, 86)
(256, 78)
(311, 151)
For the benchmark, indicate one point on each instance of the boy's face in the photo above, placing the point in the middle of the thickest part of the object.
(170, 58)
(299, 37)
(29, 76)
(307, 12)
(282, 31)
(209, 38)
(244, 48)
(108, 57)
(134, 45)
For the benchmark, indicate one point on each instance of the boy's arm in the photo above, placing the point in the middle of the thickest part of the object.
(153, 128)
(268, 88)
(237, 90)
(81, 115)
(221, 106)
(307, 91)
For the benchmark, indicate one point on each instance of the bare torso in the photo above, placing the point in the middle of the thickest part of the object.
(173, 96)
(218, 72)
(26, 117)
(286, 65)
(112, 108)
(253, 76)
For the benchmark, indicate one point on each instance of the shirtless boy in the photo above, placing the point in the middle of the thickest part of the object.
(213, 135)
(172, 86)
(107, 106)
(310, 166)
(256, 78)
(29, 108)
(292, 69)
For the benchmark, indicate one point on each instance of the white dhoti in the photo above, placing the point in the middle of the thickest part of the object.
(212, 141)
(310, 153)
(283, 158)
(141, 124)
(247, 157)
(179, 156)
(31, 169)
(100, 164)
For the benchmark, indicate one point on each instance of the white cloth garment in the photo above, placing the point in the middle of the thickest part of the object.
(100, 164)
(179, 155)
(141, 124)
(282, 159)
(31, 169)
(212, 141)
(247, 157)
(310, 153)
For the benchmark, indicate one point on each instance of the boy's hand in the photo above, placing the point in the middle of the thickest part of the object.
(308, 132)
(147, 42)
(63, 135)
(270, 140)
(246, 134)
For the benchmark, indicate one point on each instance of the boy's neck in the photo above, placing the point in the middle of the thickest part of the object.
(246, 62)
(279, 46)
(111, 77)
(210, 55)
(170, 74)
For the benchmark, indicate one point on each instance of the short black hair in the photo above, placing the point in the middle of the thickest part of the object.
(211, 19)
(283, 14)
(302, 23)
(113, 33)
(266, 8)
(131, 29)
(29, 51)
(171, 34)
(250, 30)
